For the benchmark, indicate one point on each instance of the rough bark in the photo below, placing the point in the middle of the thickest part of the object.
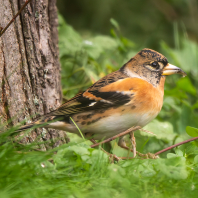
(29, 65)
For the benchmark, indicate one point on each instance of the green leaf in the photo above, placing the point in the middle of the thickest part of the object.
(114, 23)
(162, 130)
(69, 40)
(186, 85)
(196, 159)
(173, 167)
(193, 132)
(179, 152)
(98, 45)
(195, 106)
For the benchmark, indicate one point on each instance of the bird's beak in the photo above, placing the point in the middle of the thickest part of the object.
(172, 69)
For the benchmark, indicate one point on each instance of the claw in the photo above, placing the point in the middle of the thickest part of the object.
(148, 155)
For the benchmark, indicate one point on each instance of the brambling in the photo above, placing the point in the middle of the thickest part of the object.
(131, 96)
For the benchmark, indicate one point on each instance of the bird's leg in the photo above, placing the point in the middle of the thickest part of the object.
(133, 142)
(123, 145)
(148, 155)
(110, 155)
(116, 136)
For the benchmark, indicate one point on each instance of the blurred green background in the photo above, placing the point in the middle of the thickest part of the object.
(147, 22)
(96, 38)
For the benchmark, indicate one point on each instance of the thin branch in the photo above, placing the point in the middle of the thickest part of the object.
(116, 136)
(175, 145)
(19, 12)
(144, 130)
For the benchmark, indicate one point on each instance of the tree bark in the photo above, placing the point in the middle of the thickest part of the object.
(29, 66)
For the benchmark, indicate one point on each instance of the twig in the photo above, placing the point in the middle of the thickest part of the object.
(144, 130)
(175, 145)
(19, 12)
(116, 136)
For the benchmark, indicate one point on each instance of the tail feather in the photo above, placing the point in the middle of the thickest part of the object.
(12, 131)
(28, 126)
(42, 122)
(33, 125)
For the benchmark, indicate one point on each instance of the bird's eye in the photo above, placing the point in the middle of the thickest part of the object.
(155, 64)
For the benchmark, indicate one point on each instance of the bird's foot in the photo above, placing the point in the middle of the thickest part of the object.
(148, 156)
(112, 157)
(141, 155)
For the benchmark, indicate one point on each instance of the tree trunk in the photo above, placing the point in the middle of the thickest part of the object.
(29, 66)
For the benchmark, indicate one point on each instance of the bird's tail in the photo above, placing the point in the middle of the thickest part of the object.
(41, 122)
(27, 126)
(14, 130)
(44, 121)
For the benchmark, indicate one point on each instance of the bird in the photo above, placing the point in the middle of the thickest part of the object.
(130, 96)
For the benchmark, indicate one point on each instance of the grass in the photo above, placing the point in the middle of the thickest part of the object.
(76, 170)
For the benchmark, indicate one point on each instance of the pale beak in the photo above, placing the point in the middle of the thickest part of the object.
(172, 69)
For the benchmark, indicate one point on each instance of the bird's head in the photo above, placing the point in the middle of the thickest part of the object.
(151, 66)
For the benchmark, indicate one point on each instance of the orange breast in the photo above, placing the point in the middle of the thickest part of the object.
(147, 98)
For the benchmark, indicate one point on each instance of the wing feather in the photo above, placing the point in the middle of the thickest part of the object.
(94, 99)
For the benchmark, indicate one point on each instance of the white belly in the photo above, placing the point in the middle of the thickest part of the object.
(115, 124)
